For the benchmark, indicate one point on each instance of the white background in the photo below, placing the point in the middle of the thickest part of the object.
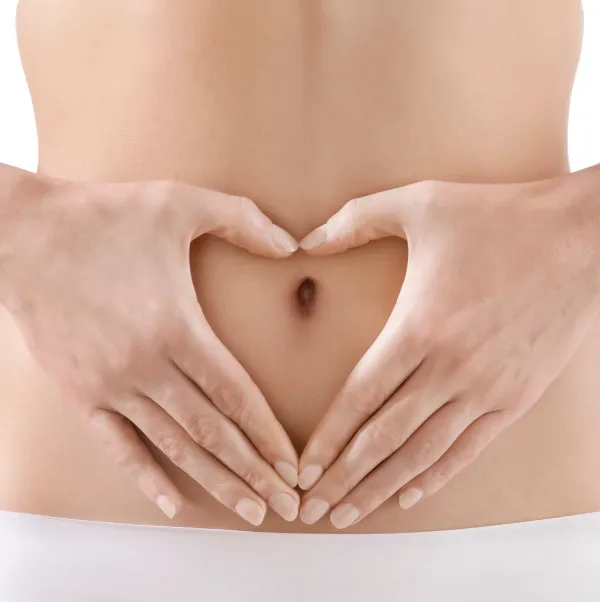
(18, 145)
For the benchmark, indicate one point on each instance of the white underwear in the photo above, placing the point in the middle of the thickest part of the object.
(45, 559)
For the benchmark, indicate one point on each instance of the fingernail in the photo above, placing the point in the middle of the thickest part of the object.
(309, 476)
(315, 239)
(344, 515)
(313, 510)
(287, 472)
(166, 505)
(283, 240)
(285, 505)
(409, 498)
(249, 510)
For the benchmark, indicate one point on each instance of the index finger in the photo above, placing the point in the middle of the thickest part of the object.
(207, 362)
(387, 364)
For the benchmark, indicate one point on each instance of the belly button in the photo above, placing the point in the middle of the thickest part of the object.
(306, 295)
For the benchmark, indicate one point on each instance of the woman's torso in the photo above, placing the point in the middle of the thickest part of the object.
(301, 105)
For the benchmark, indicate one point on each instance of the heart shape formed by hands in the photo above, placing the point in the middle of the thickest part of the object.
(502, 282)
(496, 300)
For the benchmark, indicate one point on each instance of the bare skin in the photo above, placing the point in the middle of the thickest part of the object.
(454, 366)
(155, 365)
(296, 107)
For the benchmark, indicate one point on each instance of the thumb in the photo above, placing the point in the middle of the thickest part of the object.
(239, 221)
(367, 218)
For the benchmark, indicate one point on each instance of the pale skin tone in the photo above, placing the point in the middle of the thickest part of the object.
(154, 366)
(453, 367)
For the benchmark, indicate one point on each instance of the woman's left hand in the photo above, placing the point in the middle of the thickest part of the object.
(502, 282)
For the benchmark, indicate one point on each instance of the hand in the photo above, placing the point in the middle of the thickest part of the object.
(498, 293)
(97, 277)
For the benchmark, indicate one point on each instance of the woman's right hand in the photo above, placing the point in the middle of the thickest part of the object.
(97, 277)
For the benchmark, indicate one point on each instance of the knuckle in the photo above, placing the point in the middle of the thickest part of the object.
(223, 491)
(498, 420)
(349, 216)
(469, 454)
(231, 399)
(468, 367)
(377, 438)
(160, 333)
(124, 456)
(163, 393)
(173, 447)
(428, 190)
(254, 480)
(244, 204)
(206, 432)
(162, 191)
(352, 209)
(425, 453)
(418, 339)
(462, 411)
(437, 477)
(364, 394)
(359, 400)
(423, 190)
(243, 207)
(157, 197)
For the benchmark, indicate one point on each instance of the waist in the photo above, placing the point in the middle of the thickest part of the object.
(543, 466)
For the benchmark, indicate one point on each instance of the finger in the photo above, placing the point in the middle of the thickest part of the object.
(368, 218)
(461, 454)
(380, 437)
(207, 427)
(206, 362)
(172, 440)
(386, 367)
(422, 450)
(130, 453)
(237, 220)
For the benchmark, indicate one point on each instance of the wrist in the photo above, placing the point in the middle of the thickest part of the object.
(578, 197)
(578, 194)
(20, 192)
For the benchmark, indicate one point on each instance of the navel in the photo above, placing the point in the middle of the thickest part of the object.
(306, 296)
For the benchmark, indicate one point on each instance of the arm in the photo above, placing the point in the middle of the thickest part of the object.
(156, 366)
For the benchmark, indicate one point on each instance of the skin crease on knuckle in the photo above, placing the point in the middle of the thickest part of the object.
(174, 448)
(206, 431)
(375, 439)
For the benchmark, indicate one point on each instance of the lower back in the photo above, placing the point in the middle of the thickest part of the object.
(301, 107)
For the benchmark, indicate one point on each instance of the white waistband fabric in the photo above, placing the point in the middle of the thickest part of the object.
(44, 559)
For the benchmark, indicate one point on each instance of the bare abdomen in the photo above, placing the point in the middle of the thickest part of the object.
(301, 108)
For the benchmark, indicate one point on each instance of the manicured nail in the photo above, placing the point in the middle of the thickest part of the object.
(409, 498)
(285, 505)
(309, 476)
(283, 240)
(287, 472)
(315, 239)
(166, 505)
(249, 510)
(313, 510)
(343, 516)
